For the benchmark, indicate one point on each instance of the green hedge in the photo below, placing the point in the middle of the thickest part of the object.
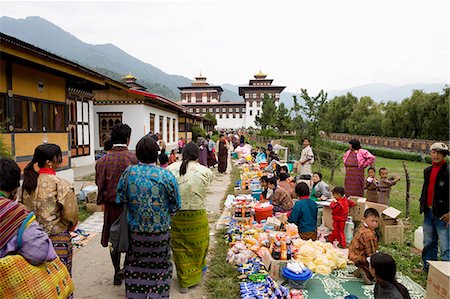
(386, 153)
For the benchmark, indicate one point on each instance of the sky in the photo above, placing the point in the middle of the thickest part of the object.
(302, 44)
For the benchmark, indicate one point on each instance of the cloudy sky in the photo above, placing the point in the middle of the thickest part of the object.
(301, 44)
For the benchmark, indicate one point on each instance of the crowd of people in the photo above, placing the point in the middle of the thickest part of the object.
(165, 207)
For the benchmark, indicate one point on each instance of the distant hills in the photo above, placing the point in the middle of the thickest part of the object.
(106, 59)
(113, 62)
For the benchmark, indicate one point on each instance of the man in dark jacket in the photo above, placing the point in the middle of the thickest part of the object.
(434, 203)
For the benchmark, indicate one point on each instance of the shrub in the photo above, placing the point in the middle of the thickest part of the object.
(381, 152)
(271, 133)
(197, 131)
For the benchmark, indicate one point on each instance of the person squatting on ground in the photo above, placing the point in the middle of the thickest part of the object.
(52, 199)
(364, 244)
(304, 213)
(190, 228)
(152, 197)
(107, 174)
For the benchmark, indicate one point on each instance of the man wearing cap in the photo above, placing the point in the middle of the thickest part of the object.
(434, 203)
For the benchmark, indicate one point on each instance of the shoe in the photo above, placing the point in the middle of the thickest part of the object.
(184, 290)
(121, 273)
(365, 279)
(419, 271)
(117, 280)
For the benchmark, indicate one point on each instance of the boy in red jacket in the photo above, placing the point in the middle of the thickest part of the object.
(340, 212)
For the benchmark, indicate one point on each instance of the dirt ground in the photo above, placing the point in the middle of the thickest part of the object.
(92, 268)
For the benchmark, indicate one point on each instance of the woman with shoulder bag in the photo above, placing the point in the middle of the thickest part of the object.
(151, 195)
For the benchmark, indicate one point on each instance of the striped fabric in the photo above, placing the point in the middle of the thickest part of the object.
(354, 177)
(63, 246)
(190, 241)
(11, 217)
(148, 269)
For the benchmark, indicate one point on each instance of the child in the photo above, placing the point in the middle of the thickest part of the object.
(364, 245)
(371, 186)
(339, 212)
(384, 186)
(304, 213)
(163, 159)
(279, 198)
(172, 157)
(383, 268)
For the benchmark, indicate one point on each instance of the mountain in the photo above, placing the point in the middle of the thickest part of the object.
(104, 58)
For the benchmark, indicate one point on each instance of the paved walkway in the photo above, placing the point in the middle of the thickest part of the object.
(92, 269)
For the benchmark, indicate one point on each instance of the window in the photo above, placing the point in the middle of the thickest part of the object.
(152, 123)
(270, 95)
(219, 115)
(161, 126)
(257, 112)
(262, 95)
(20, 114)
(2, 110)
(277, 95)
(258, 104)
(53, 117)
(191, 110)
(230, 109)
(240, 115)
(210, 109)
(243, 109)
(168, 129)
(197, 110)
(107, 120)
(254, 95)
(234, 115)
(227, 115)
(217, 109)
(174, 132)
(204, 110)
(247, 96)
(35, 116)
(224, 109)
(251, 112)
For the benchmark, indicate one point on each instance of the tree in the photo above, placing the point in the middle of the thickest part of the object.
(283, 123)
(314, 111)
(336, 112)
(365, 118)
(211, 118)
(267, 119)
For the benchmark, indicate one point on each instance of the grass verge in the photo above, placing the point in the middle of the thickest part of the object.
(222, 279)
(82, 212)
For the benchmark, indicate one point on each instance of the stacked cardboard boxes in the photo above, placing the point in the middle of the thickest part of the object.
(438, 282)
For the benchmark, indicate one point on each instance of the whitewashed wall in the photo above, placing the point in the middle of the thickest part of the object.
(230, 123)
(138, 118)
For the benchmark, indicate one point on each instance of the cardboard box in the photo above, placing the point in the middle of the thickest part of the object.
(238, 191)
(438, 281)
(275, 222)
(327, 217)
(377, 206)
(93, 207)
(274, 267)
(392, 232)
(357, 212)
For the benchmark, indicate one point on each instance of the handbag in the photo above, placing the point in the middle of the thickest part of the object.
(20, 279)
(119, 238)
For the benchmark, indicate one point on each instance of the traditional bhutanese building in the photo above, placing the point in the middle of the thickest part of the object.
(254, 93)
(45, 98)
(200, 98)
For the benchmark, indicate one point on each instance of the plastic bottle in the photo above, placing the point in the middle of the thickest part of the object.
(288, 249)
(349, 229)
(276, 254)
(283, 249)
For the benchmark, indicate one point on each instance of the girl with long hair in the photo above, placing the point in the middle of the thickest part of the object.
(52, 199)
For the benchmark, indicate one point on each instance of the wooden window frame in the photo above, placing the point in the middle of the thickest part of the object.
(105, 115)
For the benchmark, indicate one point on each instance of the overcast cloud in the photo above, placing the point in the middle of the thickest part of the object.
(314, 45)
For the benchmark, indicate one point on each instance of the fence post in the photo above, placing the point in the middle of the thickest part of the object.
(408, 186)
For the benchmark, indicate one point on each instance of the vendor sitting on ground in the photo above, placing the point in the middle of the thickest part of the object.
(264, 180)
(261, 156)
(304, 213)
(286, 182)
(279, 198)
(319, 190)
(364, 245)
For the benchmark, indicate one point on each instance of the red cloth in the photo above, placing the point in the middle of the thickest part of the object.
(340, 208)
(338, 233)
(47, 171)
(434, 172)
